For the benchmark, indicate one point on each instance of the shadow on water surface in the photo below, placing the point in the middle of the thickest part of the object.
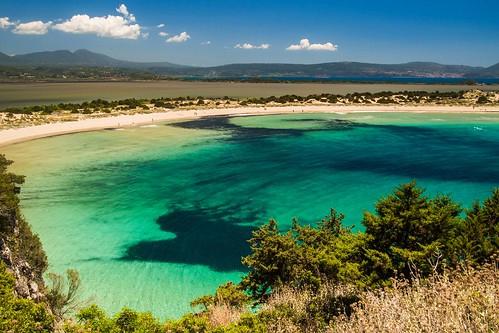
(222, 123)
(215, 237)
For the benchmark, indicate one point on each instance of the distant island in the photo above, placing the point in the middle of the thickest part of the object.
(64, 65)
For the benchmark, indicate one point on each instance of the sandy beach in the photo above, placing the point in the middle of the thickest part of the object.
(16, 135)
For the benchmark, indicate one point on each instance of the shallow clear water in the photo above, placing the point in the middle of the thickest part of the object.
(153, 217)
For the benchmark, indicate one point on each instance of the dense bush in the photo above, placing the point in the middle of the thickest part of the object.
(410, 229)
(303, 257)
(14, 230)
(93, 319)
(409, 232)
(20, 315)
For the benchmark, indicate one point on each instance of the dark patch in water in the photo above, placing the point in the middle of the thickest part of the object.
(214, 237)
(300, 120)
(425, 153)
(406, 151)
(222, 123)
(92, 259)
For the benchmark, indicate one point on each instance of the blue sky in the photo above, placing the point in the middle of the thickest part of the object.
(206, 32)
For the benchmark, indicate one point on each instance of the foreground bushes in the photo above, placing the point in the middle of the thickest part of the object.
(408, 231)
(21, 315)
(459, 301)
(462, 302)
(93, 319)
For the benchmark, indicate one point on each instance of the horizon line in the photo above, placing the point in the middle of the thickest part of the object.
(247, 63)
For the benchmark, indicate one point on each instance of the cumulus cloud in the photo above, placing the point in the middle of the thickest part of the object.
(163, 34)
(162, 25)
(306, 45)
(32, 28)
(123, 10)
(113, 26)
(5, 22)
(102, 26)
(248, 46)
(180, 38)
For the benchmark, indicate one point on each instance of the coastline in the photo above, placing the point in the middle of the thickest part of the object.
(17, 135)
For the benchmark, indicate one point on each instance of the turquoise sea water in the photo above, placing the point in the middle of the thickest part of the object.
(155, 216)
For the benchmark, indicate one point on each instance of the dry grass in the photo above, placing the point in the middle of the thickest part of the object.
(463, 302)
(294, 302)
(223, 314)
(303, 310)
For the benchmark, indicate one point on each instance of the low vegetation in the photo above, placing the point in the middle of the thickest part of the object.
(19, 314)
(39, 114)
(18, 244)
(22, 264)
(422, 264)
(463, 301)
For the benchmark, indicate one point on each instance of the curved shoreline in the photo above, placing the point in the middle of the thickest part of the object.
(17, 135)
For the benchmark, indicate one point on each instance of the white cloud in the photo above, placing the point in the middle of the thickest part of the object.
(306, 45)
(123, 10)
(5, 22)
(248, 46)
(162, 25)
(102, 26)
(32, 28)
(163, 34)
(180, 38)
(208, 42)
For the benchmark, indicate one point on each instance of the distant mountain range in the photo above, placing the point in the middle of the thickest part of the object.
(85, 58)
(82, 58)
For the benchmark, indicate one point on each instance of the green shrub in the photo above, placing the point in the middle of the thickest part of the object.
(189, 323)
(19, 315)
(25, 245)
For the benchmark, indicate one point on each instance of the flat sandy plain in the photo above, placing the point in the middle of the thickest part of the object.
(24, 94)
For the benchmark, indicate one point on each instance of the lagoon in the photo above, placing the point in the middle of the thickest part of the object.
(155, 216)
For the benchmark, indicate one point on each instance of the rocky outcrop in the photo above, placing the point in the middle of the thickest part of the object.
(28, 284)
